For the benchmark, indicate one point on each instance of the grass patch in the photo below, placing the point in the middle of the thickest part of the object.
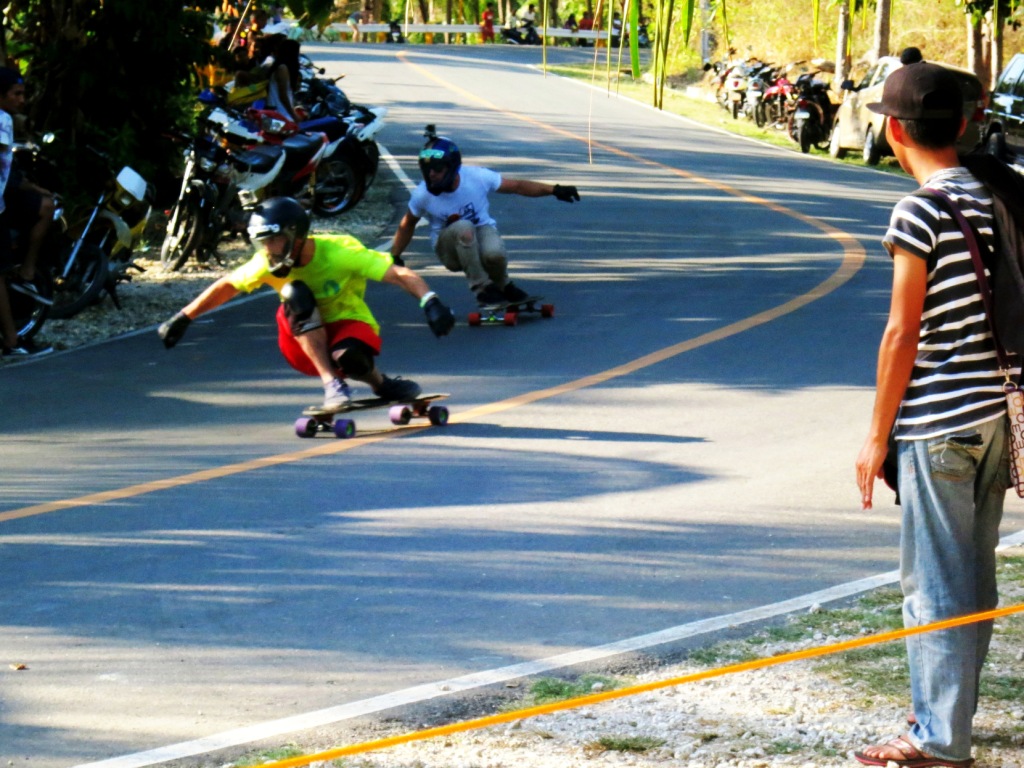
(269, 756)
(783, 747)
(626, 743)
(548, 689)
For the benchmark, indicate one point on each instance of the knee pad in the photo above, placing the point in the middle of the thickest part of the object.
(353, 357)
(300, 308)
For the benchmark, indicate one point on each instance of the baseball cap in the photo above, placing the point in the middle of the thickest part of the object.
(920, 91)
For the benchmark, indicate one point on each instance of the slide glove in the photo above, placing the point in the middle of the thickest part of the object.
(439, 317)
(172, 330)
(566, 194)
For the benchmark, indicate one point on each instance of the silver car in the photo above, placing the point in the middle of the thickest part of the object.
(858, 128)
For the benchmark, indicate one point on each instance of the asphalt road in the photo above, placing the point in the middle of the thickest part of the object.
(677, 444)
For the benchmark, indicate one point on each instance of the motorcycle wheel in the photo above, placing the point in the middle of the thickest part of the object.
(871, 153)
(792, 127)
(82, 285)
(182, 230)
(760, 115)
(735, 110)
(29, 314)
(804, 136)
(338, 188)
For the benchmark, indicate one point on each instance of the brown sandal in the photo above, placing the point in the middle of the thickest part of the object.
(901, 752)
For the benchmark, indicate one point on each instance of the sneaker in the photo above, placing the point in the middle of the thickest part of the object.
(513, 292)
(398, 389)
(489, 296)
(336, 394)
(26, 348)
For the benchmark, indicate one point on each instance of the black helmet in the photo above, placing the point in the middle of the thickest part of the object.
(440, 154)
(279, 216)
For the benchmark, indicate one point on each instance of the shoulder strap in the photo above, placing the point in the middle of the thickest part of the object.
(979, 267)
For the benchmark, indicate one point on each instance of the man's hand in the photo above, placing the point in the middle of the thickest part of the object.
(172, 330)
(566, 194)
(439, 317)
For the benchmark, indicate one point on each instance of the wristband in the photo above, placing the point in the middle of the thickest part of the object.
(426, 298)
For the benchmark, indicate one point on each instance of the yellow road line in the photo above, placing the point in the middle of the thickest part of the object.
(597, 698)
(853, 259)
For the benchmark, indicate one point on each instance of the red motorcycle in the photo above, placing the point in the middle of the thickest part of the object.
(777, 100)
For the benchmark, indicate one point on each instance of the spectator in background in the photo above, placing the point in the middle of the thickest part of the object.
(354, 20)
(586, 24)
(487, 24)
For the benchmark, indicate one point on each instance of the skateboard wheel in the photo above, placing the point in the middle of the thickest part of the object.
(400, 414)
(511, 318)
(344, 429)
(547, 310)
(474, 318)
(305, 427)
(438, 415)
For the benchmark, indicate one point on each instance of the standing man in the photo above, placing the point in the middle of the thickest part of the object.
(453, 197)
(324, 326)
(940, 384)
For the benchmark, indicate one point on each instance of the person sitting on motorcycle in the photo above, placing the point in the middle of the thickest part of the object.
(325, 327)
(453, 197)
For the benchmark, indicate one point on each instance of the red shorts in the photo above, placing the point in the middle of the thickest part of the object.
(336, 332)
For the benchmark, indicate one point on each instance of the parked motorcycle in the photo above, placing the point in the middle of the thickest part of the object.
(519, 32)
(758, 82)
(810, 123)
(778, 100)
(102, 249)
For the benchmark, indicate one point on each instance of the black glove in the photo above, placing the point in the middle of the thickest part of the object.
(398, 261)
(566, 194)
(172, 330)
(439, 317)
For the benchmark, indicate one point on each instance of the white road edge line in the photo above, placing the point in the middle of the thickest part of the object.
(469, 682)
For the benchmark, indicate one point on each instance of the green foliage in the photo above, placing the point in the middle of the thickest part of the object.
(110, 74)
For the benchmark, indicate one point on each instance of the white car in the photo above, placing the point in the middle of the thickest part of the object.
(858, 128)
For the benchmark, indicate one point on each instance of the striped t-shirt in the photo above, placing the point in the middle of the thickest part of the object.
(956, 382)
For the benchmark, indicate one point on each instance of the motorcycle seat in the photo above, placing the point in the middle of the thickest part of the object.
(334, 128)
(304, 145)
(256, 160)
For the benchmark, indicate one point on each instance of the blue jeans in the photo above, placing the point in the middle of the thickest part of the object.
(952, 490)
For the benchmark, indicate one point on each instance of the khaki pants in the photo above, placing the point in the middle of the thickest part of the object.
(479, 252)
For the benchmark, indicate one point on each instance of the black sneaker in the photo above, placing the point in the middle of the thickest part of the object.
(513, 292)
(398, 389)
(490, 295)
(26, 348)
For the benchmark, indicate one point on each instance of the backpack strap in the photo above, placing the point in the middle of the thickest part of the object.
(971, 237)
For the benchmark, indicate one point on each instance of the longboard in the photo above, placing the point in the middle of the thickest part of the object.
(316, 418)
(507, 313)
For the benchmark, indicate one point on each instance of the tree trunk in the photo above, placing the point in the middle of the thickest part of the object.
(996, 52)
(882, 21)
(843, 42)
(975, 52)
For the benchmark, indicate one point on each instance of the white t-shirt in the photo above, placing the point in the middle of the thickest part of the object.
(468, 201)
(6, 153)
